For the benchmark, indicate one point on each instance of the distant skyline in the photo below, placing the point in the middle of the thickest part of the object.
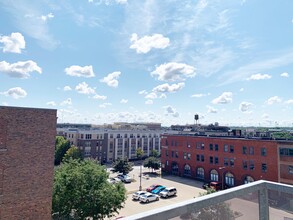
(105, 61)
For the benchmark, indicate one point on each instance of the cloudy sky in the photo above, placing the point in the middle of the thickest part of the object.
(104, 61)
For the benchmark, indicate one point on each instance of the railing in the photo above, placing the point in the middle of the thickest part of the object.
(262, 200)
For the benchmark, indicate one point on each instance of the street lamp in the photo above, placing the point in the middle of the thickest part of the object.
(221, 168)
(140, 188)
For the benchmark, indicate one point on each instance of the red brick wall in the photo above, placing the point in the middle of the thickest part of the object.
(28, 163)
(271, 159)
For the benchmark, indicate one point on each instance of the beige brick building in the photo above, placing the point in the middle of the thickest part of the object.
(27, 140)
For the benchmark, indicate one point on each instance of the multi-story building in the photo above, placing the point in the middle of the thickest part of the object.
(27, 140)
(231, 161)
(106, 145)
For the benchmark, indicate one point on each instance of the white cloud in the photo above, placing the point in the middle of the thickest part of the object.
(173, 71)
(225, 98)
(67, 88)
(104, 105)
(51, 103)
(79, 71)
(15, 93)
(244, 106)
(66, 102)
(13, 43)
(241, 90)
(21, 69)
(259, 76)
(211, 109)
(100, 97)
(199, 95)
(266, 116)
(289, 102)
(169, 88)
(84, 88)
(149, 102)
(112, 79)
(171, 111)
(123, 101)
(121, 1)
(146, 43)
(163, 96)
(151, 95)
(285, 74)
(47, 17)
(142, 92)
(273, 100)
(4, 103)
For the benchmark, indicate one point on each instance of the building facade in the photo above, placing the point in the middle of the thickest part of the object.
(230, 161)
(27, 140)
(106, 145)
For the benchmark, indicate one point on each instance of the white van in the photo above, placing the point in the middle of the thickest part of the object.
(170, 191)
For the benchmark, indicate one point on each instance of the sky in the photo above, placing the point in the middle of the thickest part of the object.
(105, 61)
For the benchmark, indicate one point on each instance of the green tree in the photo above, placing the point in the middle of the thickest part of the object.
(61, 147)
(81, 191)
(155, 153)
(122, 166)
(139, 153)
(74, 153)
(152, 163)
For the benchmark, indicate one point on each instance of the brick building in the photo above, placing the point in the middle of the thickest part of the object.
(228, 160)
(27, 140)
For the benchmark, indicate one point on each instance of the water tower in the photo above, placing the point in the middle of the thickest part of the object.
(196, 118)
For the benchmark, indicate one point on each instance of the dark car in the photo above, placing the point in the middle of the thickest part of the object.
(158, 189)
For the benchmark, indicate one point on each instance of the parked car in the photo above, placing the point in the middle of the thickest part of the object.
(114, 180)
(170, 191)
(136, 195)
(158, 189)
(152, 187)
(124, 178)
(148, 197)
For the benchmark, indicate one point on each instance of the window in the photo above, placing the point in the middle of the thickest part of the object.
(211, 160)
(244, 164)
(229, 179)
(188, 145)
(184, 155)
(118, 136)
(216, 147)
(231, 149)
(188, 156)
(187, 170)
(197, 157)
(200, 145)
(244, 150)
(176, 154)
(251, 150)
(226, 162)
(172, 143)
(225, 148)
(111, 135)
(211, 147)
(248, 179)
(286, 152)
(231, 162)
(172, 153)
(202, 158)
(251, 165)
(214, 175)
(216, 160)
(167, 154)
(167, 163)
(200, 173)
(263, 151)
(264, 168)
(125, 135)
(166, 142)
(290, 169)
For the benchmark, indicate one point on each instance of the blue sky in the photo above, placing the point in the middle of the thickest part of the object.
(104, 61)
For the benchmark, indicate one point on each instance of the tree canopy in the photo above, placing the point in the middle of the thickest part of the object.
(81, 190)
(61, 147)
(73, 153)
(122, 166)
(139, 153)
(152, 163)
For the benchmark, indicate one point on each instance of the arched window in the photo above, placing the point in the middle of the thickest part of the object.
(200, 173)
(187, 170)
(229, 179)
(248, 179)
(214, 175)
(174, 168)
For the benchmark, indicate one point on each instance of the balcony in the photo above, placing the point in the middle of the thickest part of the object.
(262, 200)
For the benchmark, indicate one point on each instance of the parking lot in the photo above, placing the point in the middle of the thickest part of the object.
(186, 189)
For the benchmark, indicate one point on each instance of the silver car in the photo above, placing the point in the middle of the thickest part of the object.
(148, 197)
(136, 195)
